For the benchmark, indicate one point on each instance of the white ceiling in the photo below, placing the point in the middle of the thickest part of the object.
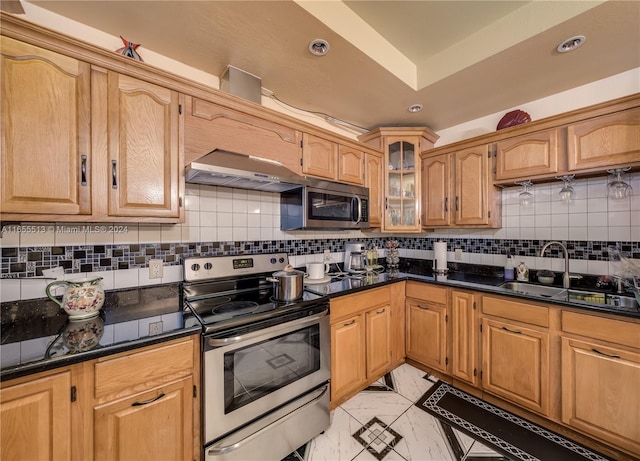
(460, 59)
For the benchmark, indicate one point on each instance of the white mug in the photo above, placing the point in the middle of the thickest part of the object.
(317, 270)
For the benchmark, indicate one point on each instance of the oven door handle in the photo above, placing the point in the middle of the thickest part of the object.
(219, 342)
(228, 448)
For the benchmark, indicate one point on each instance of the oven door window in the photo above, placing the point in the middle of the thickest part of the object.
(255, 371)
(331, 207)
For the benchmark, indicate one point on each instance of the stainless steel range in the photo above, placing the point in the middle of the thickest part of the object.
(265, 364)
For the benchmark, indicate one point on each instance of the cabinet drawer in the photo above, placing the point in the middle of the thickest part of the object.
(141, 368)
(351, 304)
(431, 293)
(616, 331)
(516, 310)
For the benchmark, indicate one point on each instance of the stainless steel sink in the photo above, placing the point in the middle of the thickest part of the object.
(534, 290)
(602, 298)
(578, 296)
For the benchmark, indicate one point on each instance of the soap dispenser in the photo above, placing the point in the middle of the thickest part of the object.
(522, 272)
(509, 272)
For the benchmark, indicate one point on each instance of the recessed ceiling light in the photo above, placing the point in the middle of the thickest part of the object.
(319, 47)
(415, 108)
(571, 44)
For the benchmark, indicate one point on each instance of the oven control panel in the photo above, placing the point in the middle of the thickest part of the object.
(213, 267)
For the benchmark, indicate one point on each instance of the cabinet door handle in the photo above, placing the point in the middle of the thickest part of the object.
(613, 356)
(349, 323)
(446, 204)
(380, 311)
(386, 203)
(147, 402)
(456, 203)
(114, 174)
(83, 170)
(423, 307)
(518, 332)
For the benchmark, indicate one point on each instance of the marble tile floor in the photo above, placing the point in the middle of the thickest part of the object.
(382, 423)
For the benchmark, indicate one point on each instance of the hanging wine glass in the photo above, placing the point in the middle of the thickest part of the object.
(526, 196)
(567, 192)
(617, 188)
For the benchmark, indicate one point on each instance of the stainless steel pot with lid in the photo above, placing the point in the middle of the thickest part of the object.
(288, 284)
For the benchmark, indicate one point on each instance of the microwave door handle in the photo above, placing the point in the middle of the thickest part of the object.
(358, 208)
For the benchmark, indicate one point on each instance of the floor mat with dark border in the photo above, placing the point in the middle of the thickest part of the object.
(501, 430)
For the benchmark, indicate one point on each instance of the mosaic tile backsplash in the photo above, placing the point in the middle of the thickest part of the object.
(31, 261)
(223, 221)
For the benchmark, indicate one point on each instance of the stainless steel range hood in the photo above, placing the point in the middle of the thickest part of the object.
(229, 169)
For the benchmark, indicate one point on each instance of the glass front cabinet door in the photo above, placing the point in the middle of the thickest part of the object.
(402, 208)
(402, 182)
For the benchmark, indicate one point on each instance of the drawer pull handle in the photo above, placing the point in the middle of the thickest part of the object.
(349, 323)
(613, 356)
(426, 308)
(518, 332)
(381, 311)
(147, 402)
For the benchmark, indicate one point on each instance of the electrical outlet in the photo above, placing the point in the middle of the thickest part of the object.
(458, 253)
(327, 256)
(155, 328)
(155, 269)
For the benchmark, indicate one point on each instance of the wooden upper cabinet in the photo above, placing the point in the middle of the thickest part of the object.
(350, 165)
(145, 162)
(605, 142)
(471, 202)
(436, 174)
(458, 190)
(319, 157)
(528, 156)
(209, 126)
(373, 180)
(46, 142)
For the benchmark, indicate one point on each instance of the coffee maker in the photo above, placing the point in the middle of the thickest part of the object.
(354, 257)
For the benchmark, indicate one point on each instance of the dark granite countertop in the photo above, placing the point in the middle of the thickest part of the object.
(487, 283)
(37, 335)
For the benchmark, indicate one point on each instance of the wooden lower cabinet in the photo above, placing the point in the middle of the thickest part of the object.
(426, 317)
(348, 357)
(156, 424)
(35, 419)
(464, 337)
(378, 339)
(427, 334)
(363, 342)
(601, 378)
(515, 364)
(137, 405)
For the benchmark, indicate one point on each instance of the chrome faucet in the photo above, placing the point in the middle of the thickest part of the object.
(566, 278)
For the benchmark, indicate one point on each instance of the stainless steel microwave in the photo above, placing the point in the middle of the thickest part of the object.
(325, 205)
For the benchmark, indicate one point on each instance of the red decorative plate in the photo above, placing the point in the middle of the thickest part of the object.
(513, 118)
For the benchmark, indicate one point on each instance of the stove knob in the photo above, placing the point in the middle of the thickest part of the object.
(272, 260)
(208, 266)
(195, 267)
(281, 260)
